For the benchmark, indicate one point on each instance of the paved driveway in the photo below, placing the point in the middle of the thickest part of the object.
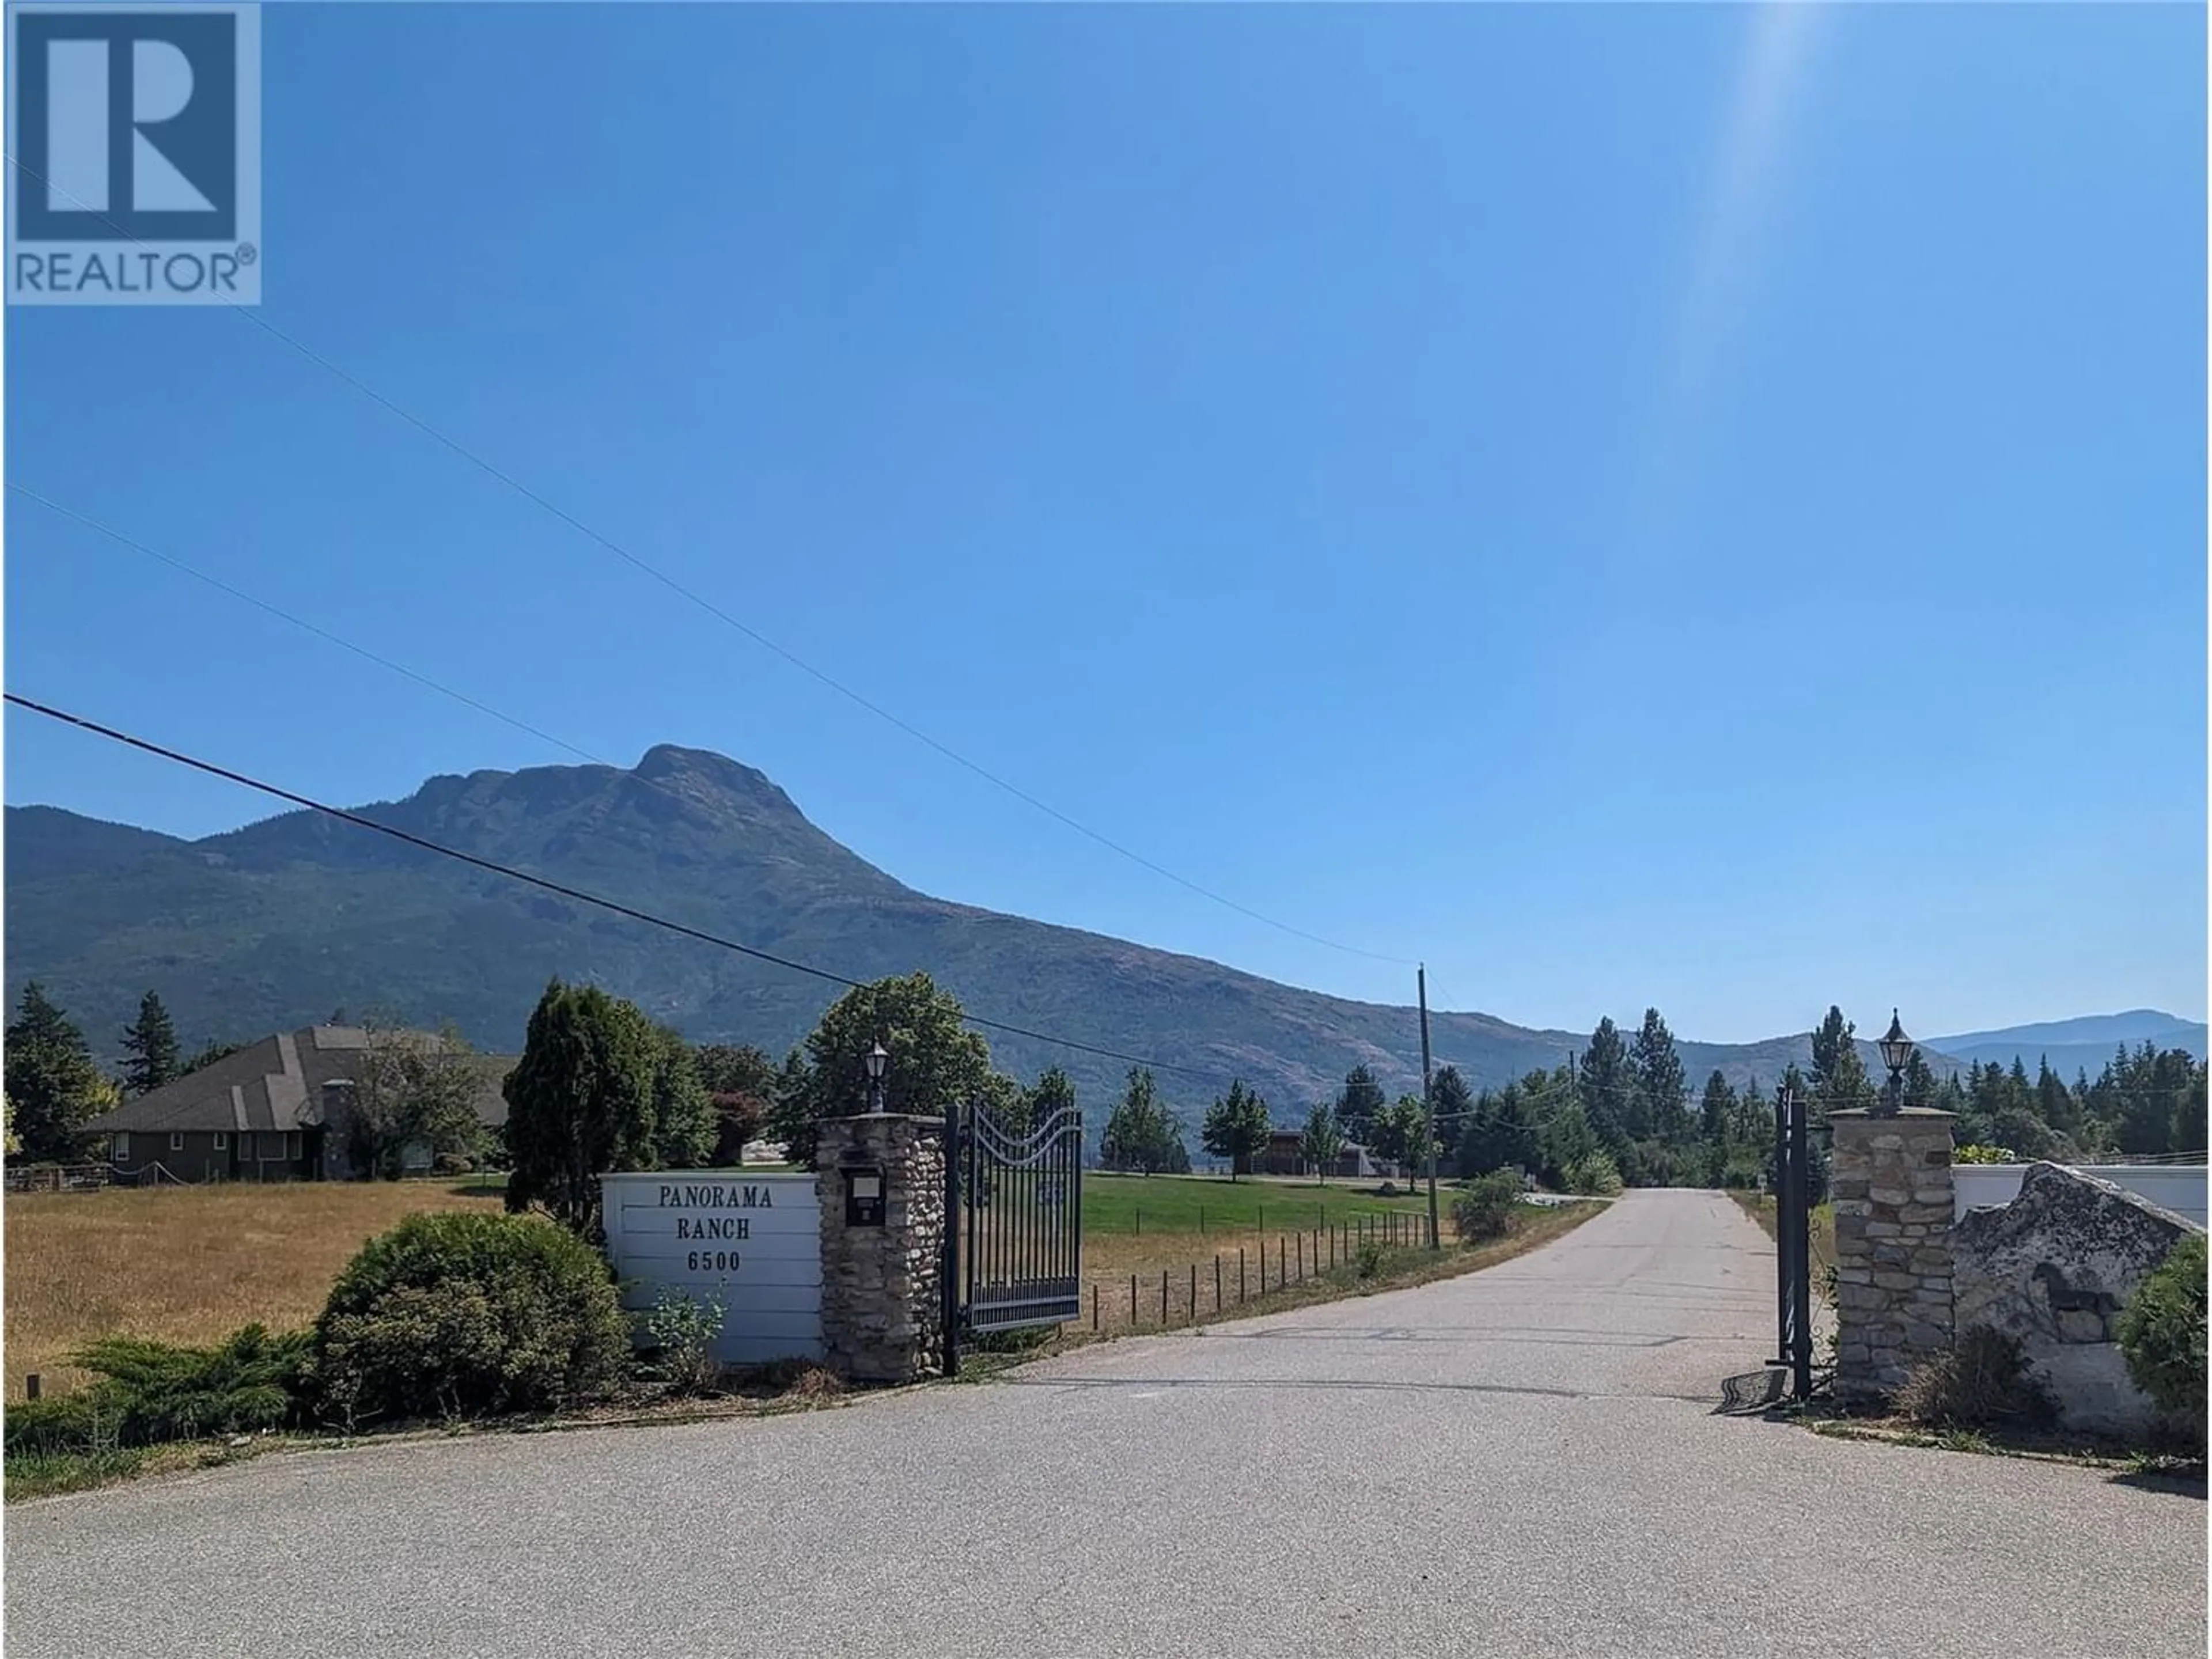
(1520, 1462)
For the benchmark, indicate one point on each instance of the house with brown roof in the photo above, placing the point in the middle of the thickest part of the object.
(265, 1113)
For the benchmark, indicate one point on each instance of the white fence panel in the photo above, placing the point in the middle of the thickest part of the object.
(2178, 1187)
(753, 1240)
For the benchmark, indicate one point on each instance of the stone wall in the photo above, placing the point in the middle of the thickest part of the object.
(882, 1287)
(2054, 1268)
(1891, 1183)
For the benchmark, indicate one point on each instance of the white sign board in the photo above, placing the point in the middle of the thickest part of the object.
(752, 1241)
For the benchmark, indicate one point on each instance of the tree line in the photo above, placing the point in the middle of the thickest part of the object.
(600, 1084)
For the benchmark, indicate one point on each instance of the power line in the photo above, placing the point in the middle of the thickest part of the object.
(252, 315)
(574, 893)
(301, 622)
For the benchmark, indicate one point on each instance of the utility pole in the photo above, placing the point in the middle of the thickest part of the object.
(1428, 1106)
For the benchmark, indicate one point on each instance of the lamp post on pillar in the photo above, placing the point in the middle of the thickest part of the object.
(1897, 1055)
(878, 1059)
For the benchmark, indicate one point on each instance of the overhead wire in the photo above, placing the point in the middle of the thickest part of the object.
(490, 469)
(576, 893)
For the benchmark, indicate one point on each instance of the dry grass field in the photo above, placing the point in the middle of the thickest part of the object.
(185, 1264)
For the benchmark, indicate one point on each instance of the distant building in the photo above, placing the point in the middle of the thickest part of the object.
(1285, 1155)
(263, 1114)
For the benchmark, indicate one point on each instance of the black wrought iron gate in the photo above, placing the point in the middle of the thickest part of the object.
(1793, 1244)
(1013, 1225)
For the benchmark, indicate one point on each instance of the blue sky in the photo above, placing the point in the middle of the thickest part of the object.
(1692, 505)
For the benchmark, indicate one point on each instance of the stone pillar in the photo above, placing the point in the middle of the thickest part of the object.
(1890, 1181)
(883, 1315)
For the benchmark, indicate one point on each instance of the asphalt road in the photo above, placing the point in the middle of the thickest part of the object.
(1524, 1462)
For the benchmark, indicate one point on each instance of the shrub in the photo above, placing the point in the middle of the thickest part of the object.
(1370, 1258)
(2162, 1335)
(457, 1314)
(1596, 1174)
(1982, 1381)
(682, 1327)
(1489, 1206)
(151, 1392)
(1974, 1153)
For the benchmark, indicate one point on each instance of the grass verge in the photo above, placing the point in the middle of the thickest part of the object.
(1760, 1206)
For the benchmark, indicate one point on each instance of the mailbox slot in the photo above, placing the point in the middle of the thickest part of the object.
(863, 1197)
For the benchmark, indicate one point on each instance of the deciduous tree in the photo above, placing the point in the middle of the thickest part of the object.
(1321, 1142)
(1053, 1093)
(1140, 1134)
(410, 1087)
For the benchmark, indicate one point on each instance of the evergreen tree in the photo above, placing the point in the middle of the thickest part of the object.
(1605, 1087)
(579, 1103)
(1717, 1111)
(1754, 1117)
(1359, 1105)
(2054, 1102)
(1450, 1101)
(1500, 1134)
(1655, 1070)
(50, 1081)
(1236, 1127)
(150, 1041)
(209, 1053)
(1839, 1076)
(1321, 1142)
(1920, 1084)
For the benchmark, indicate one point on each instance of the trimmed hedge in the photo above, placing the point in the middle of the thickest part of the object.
(460, 1315)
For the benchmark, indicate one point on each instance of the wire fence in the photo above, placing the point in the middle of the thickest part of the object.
(1161, 1296)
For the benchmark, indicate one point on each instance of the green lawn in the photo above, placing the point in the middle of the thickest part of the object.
(1138, 1205)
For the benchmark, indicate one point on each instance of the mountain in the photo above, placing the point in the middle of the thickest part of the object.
(2072, 1045)
(293, 919)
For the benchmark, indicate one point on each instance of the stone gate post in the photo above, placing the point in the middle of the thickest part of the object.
(1890, 1181)
(881, 1179)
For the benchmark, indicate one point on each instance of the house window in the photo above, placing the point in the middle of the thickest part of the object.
(292, 1147)
(176, 1141)
(119, 1148)
(222, 1140)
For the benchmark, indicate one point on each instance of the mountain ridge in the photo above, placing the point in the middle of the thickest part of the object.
(281, 920)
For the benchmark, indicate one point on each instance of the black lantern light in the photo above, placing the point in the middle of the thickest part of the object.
(879, 1058)
(1896, 1054)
